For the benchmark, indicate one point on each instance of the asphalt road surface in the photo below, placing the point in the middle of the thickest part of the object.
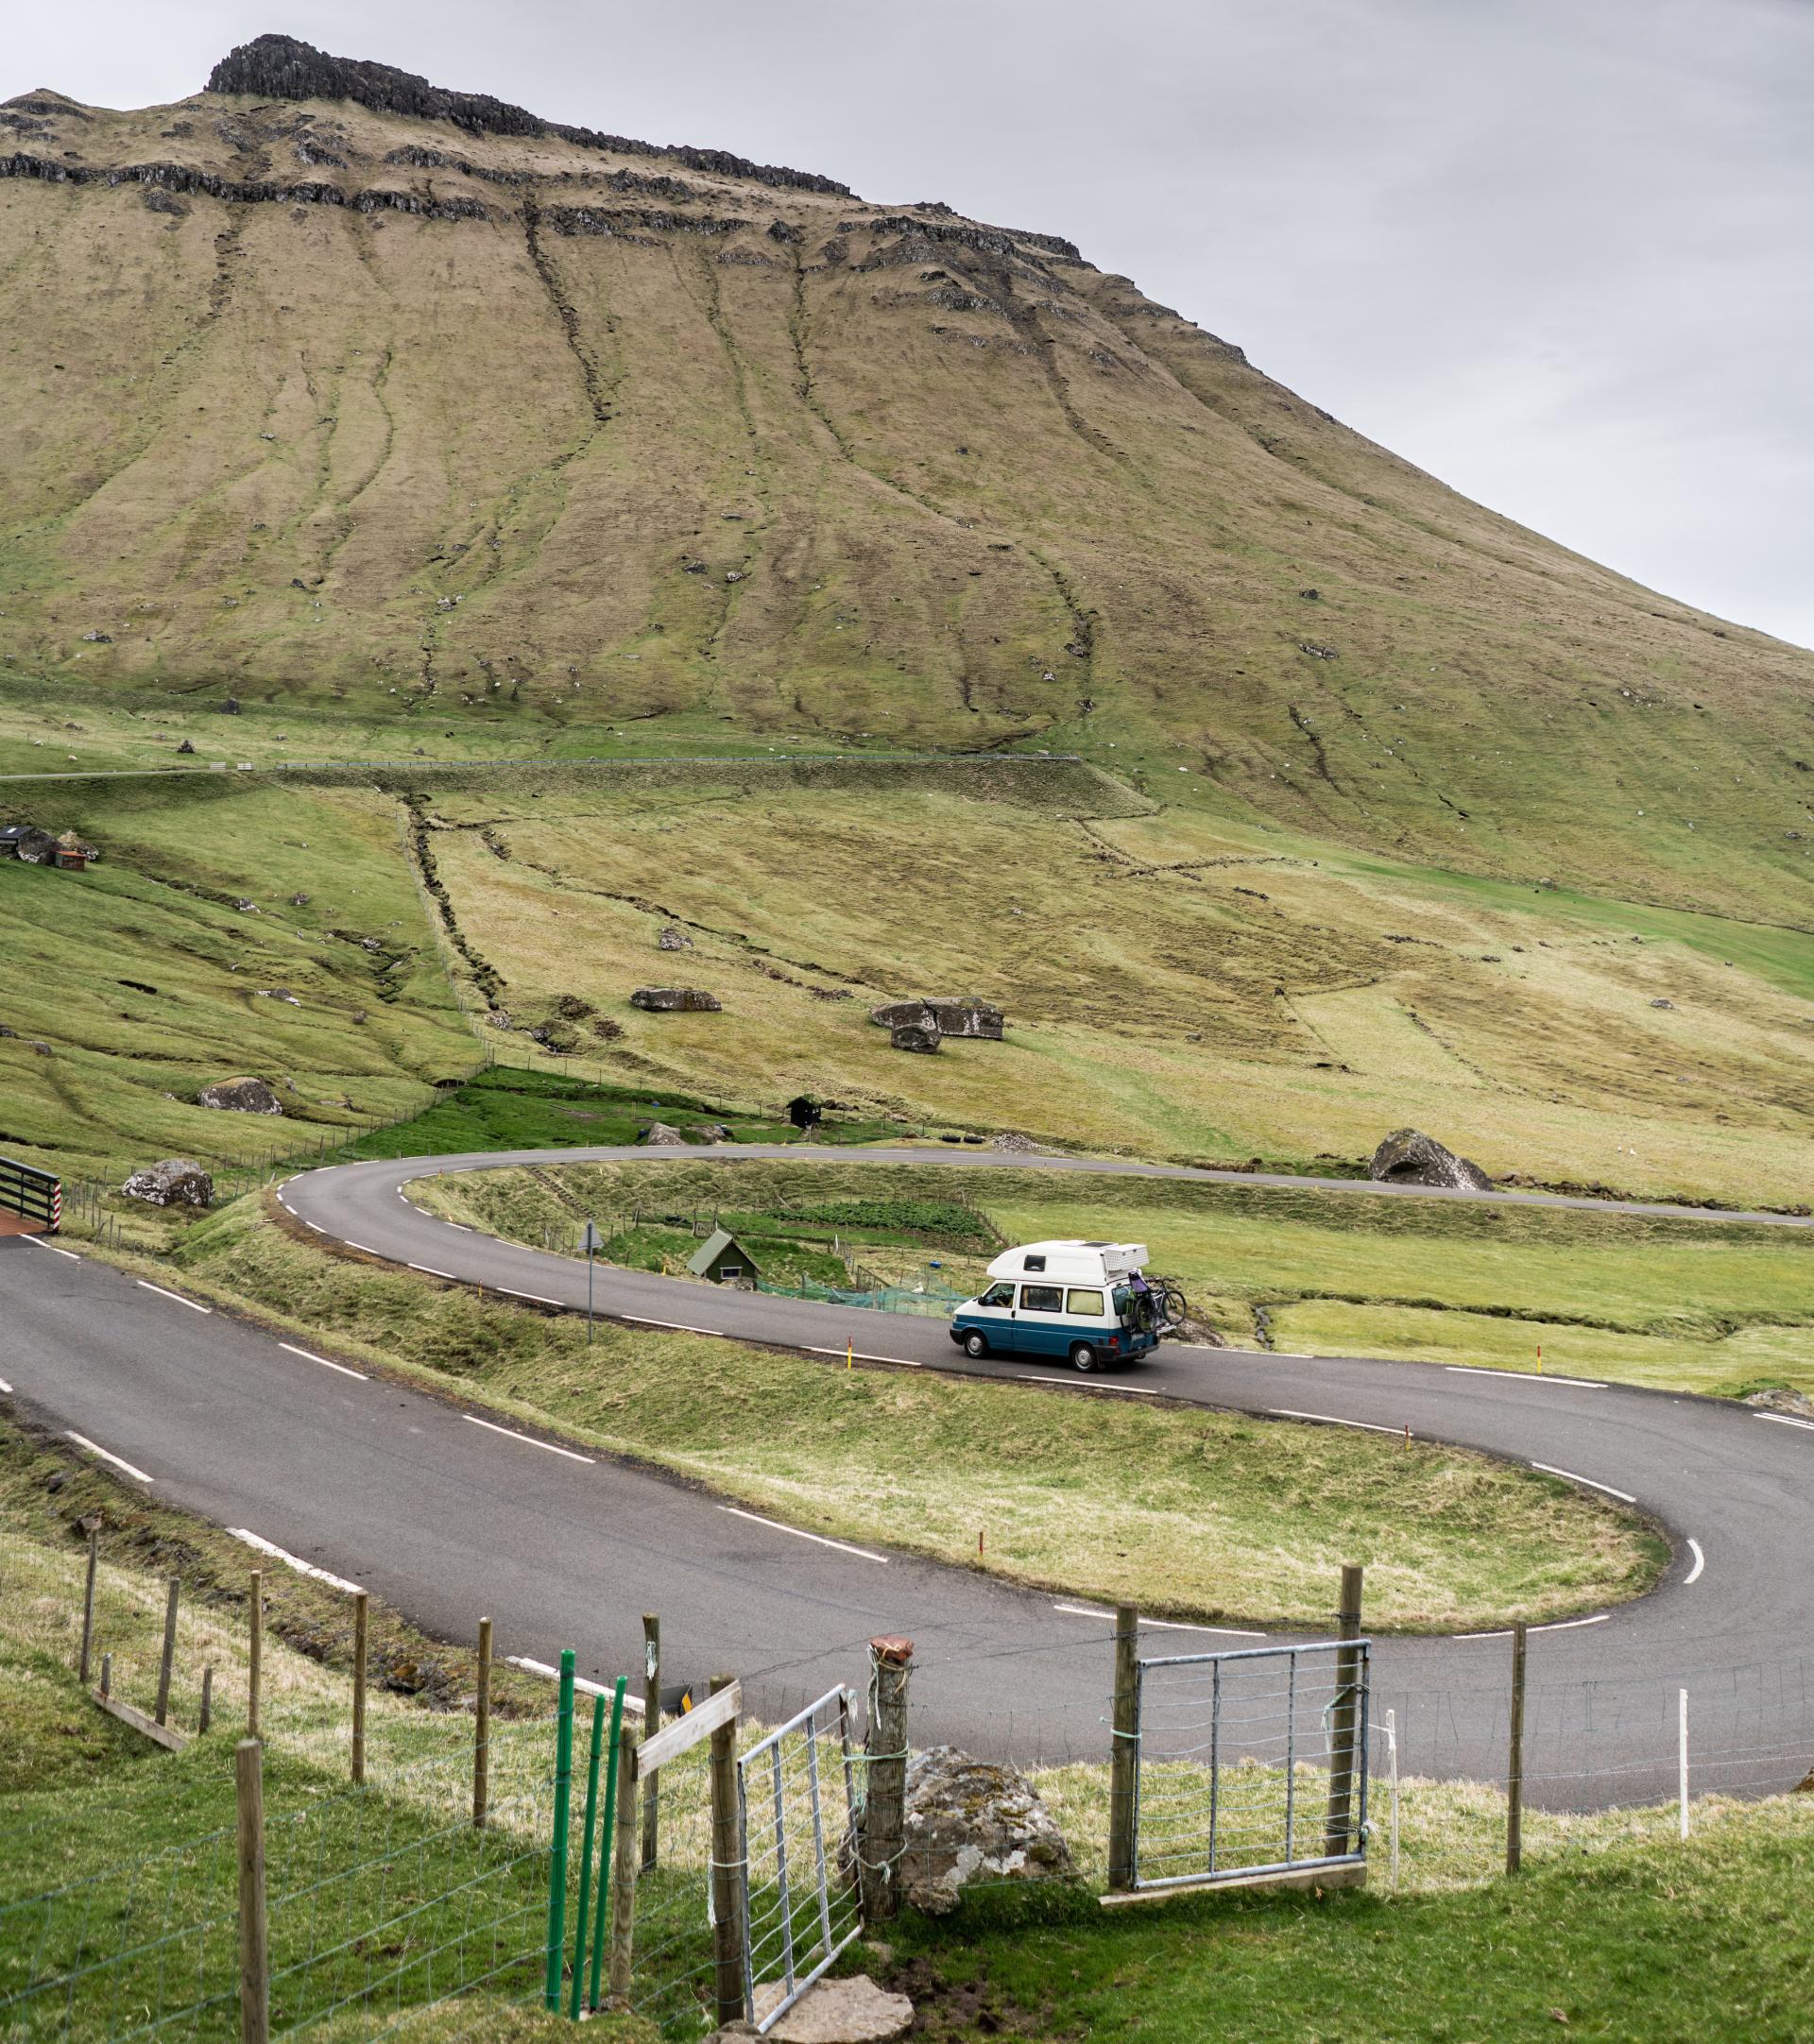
(447, 1513)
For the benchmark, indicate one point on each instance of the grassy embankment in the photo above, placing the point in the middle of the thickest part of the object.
(1190, 1512)
(1682, 1305)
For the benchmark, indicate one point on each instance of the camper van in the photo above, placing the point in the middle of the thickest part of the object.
(1082, 1303)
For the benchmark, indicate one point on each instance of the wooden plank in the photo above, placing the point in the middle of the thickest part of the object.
(681, 1733)
(1347, 1874)
(163, 1735)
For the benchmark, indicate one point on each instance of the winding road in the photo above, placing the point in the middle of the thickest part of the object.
(447, 1512)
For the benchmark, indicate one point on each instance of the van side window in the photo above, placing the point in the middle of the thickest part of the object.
(1032, 1263)
(1042, 1299)
(997, 1295)
(1084, 1305)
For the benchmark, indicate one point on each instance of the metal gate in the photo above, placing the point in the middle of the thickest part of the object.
(35, 1196)
(1250, 1763)
(797, 1802)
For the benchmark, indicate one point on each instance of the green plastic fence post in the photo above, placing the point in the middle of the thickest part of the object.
(558, 1854)
(586, 1856)
(609, 1833)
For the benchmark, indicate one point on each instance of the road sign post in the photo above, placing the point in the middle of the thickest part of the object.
(589, 1241)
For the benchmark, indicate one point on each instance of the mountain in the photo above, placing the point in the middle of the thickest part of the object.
(329, 384)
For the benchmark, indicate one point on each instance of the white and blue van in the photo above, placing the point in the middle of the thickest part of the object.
(1082, 1303)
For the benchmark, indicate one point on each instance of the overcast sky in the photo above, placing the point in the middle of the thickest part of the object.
(1556, 252)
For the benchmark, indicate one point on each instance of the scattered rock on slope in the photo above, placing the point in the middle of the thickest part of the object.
(969, 1819)
(241, 1096)
(1407, 1157)
(676, 1001)
(674, 939)
(174, 1182)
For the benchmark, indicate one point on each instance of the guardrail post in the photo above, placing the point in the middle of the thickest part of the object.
(728, 1872)
(885, 1807)
(651, 1725)
(1515, 1759)
(168, 1659)
(1344, 1720)
(1125, 1749)
(254, 1956)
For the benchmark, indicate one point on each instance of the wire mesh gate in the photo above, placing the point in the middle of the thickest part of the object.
(1250, 1762)
(796, 1798)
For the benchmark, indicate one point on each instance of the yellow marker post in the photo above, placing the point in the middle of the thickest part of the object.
(850, 1352)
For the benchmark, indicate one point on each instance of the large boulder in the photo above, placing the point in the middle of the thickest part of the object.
(241, 1096)
(969, 1819)
(1407, 1157)
(674, 939)
(959, 1015)
(912, 1036)
(675, 1000)
(661, 1135)
(176, 1182)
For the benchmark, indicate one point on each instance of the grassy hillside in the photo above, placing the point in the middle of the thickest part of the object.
(341, 406)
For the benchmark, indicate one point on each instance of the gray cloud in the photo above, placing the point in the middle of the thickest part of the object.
(1557, 251)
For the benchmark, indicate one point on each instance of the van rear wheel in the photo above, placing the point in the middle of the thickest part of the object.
(974, 1344)
(1083, 1356)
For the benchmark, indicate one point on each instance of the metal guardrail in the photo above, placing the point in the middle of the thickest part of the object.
(1232, 1748)
(34, 1194)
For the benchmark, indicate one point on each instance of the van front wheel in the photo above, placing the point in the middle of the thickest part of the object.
(1083, 1356)
(975, 1345)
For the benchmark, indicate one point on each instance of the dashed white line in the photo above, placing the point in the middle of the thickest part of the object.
(428, 1270)
(538, 1297)
(82, 1440)
(6, 1390)
(1568, 1625)
(294, 1562)
(362, 1248)
(510, 1433)
(776, 1525)
(315, 1225)
(1549, 1468)
(36, 1243)
(679, 1327)
(1134, 1391)
(1161, 1625)
(863, 1355)
(1700, 1562)
(592, 1689)
(1525, 1376)
(308, 1356)
(145, 1285)
(1328, 1419)
(1784, 1419)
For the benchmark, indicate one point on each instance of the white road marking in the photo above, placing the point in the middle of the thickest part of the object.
(1568, 1625)
(284, 1204)
(308, 1356)
(535, 1296)
(1782, 1418)
(863, 1355)
(428, 1270)
(362, 1248)
(294, 1562)
(679, 1327)
(1506, 1634)
(146, 1286)
(776, 1525)
(1548, 1468)
(1134, 1391)
(510, 1433)
(460, 1225)
(36, 1243)
(1161, 1625)
(1285, 1412)
(315, 1225)
(5, 1388)
(1700, 1562)
(1525, 1376)
(592, 1689)
(82, 1440)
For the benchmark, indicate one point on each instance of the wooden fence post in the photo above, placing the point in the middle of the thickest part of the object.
(482, 1728)
(1123, 1756)
(168, 1659)
(206, 1717)
(88, 1602)
(891, 1663)
(651, 1725)
(1344, 1720)
(254, 1954)
(254, 1654)
(728, 1872)
(360, 1613)
(624, 1849)
(1515, 1762)
(107, 1674)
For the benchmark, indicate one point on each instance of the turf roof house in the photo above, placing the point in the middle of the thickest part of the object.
(724, 1261)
